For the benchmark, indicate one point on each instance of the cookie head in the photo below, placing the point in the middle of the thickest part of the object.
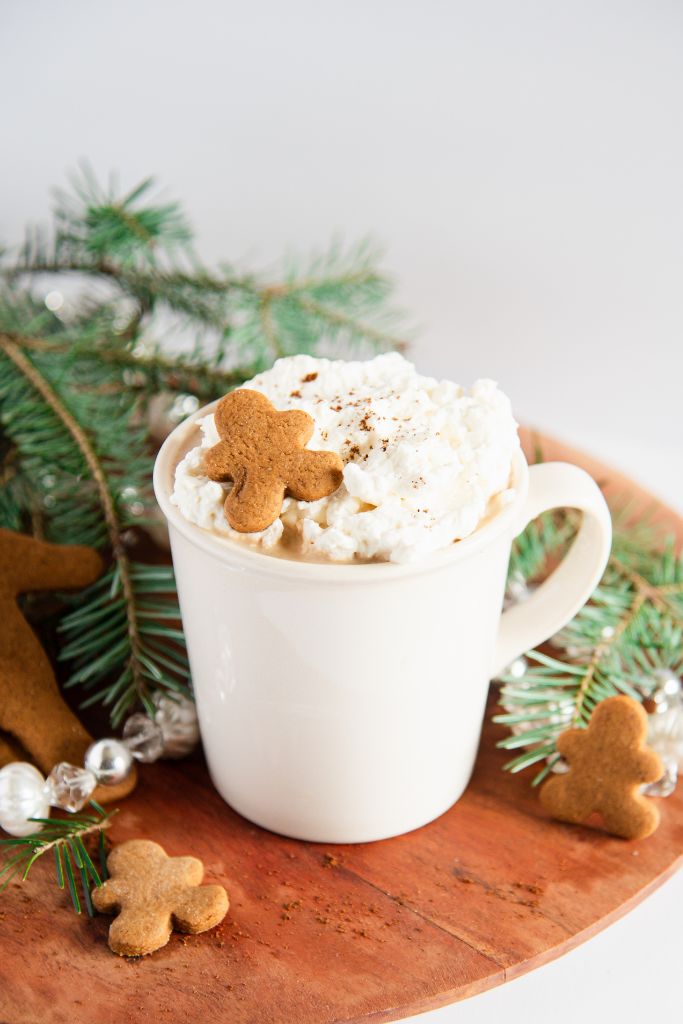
(262, 452)
(622, 723)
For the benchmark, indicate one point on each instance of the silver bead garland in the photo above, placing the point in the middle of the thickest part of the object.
(25, 794)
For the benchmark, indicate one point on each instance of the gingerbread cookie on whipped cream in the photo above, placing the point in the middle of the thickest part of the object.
(423, 462)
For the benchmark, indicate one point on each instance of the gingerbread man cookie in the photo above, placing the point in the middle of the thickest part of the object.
(152, 894)
(608, 763)
(33, 716)
(262, 451)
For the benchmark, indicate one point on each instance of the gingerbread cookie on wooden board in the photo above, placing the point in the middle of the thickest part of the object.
(263, 452)
(33, 716)
(153, 894)
(608, 764)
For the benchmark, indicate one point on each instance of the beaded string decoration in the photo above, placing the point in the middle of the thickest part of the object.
(26, 795)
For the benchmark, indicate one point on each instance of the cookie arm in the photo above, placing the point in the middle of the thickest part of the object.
(30, 564)
(569, 743)
(106, 897)
(648, 765)
(218, 465)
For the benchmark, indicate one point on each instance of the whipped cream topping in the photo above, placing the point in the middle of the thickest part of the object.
(425, 460)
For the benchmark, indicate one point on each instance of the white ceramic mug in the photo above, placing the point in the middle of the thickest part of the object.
(344, 703)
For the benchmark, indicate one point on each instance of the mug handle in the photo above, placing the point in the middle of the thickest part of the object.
(557, 600)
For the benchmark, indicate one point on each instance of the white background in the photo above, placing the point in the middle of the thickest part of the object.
(521, 162)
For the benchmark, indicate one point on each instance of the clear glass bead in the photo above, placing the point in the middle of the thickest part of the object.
(517, 668)
(665, 785)
(109, 760)
(177, 718)
(22, 796)
(665, 727)
(69, 786)
(144, 738)
(668, 686)
(517, 590)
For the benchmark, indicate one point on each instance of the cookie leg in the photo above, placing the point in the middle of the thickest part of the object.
(560, 800)
(250, 507)
(31, 706)
(200, 908)
(138, 932)
(632, 818)
(33, 713)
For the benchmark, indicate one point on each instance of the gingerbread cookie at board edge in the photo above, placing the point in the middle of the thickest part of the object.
(152, 894)
(608, 763)
(262, 451)
(34, 717)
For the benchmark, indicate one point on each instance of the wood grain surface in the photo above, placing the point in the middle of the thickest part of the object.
(320, 934)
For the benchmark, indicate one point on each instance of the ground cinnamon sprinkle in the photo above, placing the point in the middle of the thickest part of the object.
(295, 394)
(534, 889)
(309, 377)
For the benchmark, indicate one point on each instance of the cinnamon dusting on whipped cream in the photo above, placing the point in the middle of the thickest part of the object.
(426, 461)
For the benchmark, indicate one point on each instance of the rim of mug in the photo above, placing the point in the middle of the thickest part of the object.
(240, 557)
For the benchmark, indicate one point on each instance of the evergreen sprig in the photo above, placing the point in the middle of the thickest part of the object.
(143, 319)
(631, 628)
(65, 838)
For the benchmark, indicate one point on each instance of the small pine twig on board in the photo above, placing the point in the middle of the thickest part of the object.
(65, 838)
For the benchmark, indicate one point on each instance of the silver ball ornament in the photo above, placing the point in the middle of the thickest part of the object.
(22, 796)
(109, 760)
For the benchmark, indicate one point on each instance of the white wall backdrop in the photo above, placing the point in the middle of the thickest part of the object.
(521, 162)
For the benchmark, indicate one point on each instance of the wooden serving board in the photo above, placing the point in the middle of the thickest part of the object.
(319, 934)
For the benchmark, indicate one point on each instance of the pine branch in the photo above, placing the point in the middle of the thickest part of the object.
(76, 388)
(632, 626)
(65, 839)
(145, 253)
(144, 369)
(130, 645)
